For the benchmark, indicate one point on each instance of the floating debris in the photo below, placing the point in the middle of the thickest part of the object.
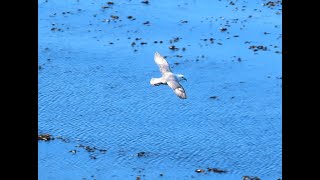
(145, 2)
(223, 29)
(73, 151)
(110, 3)
(102, 150)
(141, 154)
(67, 12)
(173, 48)
(104, 7)
(184, 21)
(89, 149)
(93, 157)
(199, 170)
(137, 39)
(80, 146)
(216, 170)
(272, 3)
(114, 17)
(63, 139)
(213, 97)
(138, 178)
(256, 48)
(160, 41)
(250, 178)
(262, 47)
(155, 41)
(143, 43)
(129, 17)
(183, 49)
(176, 39)
(55, 29)
(133, 44)
(45, 137)
(161, 174)
(146, 23)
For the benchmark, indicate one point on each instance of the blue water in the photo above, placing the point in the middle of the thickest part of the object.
(98, 94)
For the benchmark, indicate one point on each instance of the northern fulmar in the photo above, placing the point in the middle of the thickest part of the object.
(168, 78)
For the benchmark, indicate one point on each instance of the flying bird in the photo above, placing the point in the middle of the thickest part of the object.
(168, 78)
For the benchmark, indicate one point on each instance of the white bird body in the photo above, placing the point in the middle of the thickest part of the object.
(168, 78)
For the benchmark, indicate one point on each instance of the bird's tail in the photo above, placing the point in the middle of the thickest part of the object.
(156, 81)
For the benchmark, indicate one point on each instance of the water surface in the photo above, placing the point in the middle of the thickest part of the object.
(94, 89)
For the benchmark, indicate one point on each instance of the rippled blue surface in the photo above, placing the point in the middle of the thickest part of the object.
(98, 94)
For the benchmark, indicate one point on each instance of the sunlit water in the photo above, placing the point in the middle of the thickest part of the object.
(98, 94)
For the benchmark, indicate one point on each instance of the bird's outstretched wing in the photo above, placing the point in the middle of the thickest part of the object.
(178, 89)
(162, 63)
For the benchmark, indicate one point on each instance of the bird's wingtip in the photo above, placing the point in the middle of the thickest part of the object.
(180, 93)
(183, 96)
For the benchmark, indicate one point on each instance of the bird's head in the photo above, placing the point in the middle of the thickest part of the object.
(181, 77)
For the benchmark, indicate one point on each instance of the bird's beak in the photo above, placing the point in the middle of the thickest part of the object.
(185, 79)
